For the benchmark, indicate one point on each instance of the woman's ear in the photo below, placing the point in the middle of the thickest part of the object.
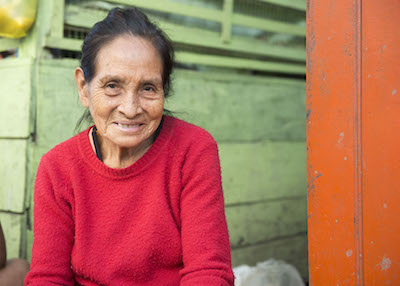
(82, 87)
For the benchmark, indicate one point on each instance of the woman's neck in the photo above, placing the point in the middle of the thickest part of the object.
(117, 157)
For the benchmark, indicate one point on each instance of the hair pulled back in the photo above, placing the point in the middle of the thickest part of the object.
(130, 21)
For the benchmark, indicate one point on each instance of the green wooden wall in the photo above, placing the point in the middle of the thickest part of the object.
(258, 122)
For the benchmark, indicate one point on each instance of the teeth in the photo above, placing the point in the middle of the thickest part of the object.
(128, 126)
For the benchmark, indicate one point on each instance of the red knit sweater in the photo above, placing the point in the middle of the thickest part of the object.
(157, 222)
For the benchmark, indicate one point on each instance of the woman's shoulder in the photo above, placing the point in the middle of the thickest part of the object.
(65, 151)
(189, 132)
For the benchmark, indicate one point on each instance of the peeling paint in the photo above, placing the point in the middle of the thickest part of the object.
(308, 113)
(345, 158)
(341, 137)
(349, 253)
(385, 263)
(385, 206)
(394, 91)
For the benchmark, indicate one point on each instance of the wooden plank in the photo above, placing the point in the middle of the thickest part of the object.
(298, 5)
(29, 243)
(82, 17)
(175, 8)
(227, 21)
(12, 174)
(242, 111)
(334, 159)
(260, 171)
(7, 44)
(57, 18)
(201, 59)
(12, 226)
(15, 102)
(379, 100)
(259, 222)
(268, 25)
(214, 15)
(64, 44)
(239, 63)
(293, 250)
(56, 88)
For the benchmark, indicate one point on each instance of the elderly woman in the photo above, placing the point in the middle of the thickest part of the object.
(135, 199)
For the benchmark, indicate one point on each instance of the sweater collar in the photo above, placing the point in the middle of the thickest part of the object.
(89, 156)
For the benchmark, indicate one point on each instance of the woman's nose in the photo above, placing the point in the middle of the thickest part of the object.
(130, 105)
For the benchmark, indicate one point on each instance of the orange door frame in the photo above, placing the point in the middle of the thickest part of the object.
(353, 142)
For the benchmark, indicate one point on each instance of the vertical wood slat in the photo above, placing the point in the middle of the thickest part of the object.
(12, 174)
(12, 227)
(227, 21)
(333, 143)
(381, 141)
(15, 99)
(57, 18)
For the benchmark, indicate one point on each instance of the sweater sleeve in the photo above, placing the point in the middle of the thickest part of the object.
(53, 231)
(205, 241)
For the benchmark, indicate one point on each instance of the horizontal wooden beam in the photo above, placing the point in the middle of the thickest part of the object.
(251, 224)
(298, 5)
(200, 59)
(268, 25)
(239, 63)
(7, 44)
(64, 44)
(86, 18)
(214, 15)
(174, 8)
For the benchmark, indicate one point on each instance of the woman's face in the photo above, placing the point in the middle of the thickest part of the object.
(125, 97)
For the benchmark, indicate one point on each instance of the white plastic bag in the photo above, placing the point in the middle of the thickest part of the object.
(268, 273)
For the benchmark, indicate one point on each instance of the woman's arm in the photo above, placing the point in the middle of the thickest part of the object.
(205, 241)
(53, 231)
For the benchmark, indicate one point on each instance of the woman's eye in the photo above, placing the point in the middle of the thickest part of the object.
(148, 88)
(112, 88)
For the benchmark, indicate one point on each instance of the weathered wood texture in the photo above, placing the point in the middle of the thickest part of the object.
(12, 225)
(291, 249)
(15, 99)
(257, 223)
(265, 170)
(84, 17)
(12, 174)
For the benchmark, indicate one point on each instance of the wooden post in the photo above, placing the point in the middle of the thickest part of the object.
(227, 21)
(353, 144)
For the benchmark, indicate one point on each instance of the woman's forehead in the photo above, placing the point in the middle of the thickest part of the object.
(128, 54)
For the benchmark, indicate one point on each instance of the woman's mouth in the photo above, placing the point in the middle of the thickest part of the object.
(129, 127)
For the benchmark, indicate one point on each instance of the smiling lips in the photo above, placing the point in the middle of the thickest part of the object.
(129, 127)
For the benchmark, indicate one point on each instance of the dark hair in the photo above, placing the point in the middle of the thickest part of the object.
(130, 21)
